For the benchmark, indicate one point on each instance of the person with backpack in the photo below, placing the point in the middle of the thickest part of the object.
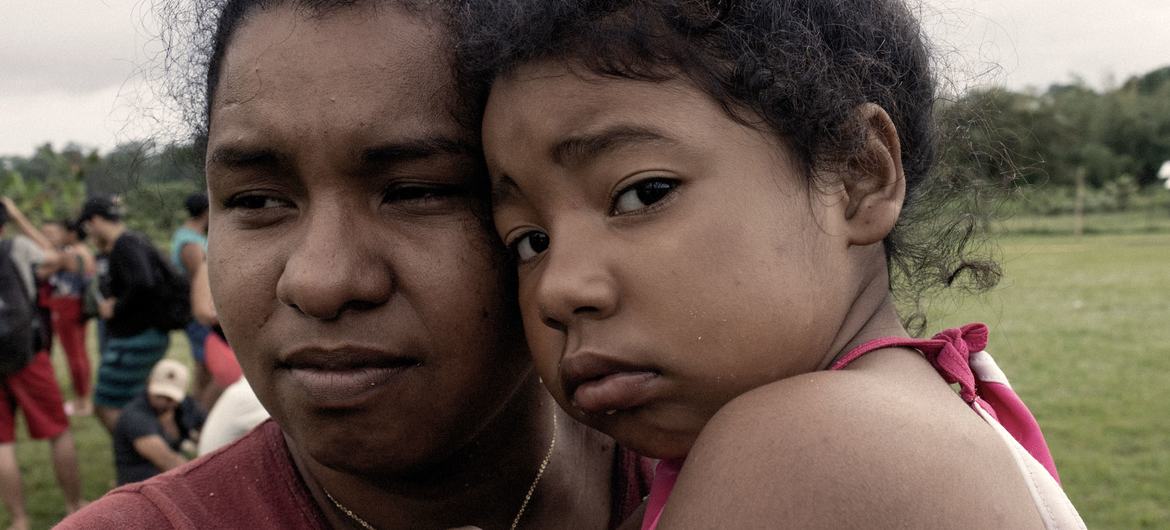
(27, 381)
(138, 307)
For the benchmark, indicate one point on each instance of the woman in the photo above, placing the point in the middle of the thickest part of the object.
(356, 275)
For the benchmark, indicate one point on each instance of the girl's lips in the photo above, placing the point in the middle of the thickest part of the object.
(614, 392)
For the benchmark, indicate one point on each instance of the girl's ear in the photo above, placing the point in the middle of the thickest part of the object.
(874, 183)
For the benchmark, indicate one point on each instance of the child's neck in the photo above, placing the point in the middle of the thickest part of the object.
(873, 315)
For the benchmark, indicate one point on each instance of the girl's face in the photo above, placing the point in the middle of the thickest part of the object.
(349, 262)
(671, 258)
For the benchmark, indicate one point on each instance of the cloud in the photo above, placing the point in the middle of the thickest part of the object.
(95, 119)
(1037, 42)
(74, 46)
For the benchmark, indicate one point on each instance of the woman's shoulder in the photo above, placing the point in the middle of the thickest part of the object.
(887, 446)
(250, 483)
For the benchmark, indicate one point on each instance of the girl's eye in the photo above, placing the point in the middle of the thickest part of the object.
(530, 245)
(643, 194)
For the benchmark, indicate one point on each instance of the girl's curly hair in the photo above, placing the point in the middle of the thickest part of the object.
(799, 68)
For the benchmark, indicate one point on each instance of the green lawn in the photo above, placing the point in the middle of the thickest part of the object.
(1082, 326)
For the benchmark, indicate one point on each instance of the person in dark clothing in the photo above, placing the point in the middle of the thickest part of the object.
(130, 307)
(154, 427)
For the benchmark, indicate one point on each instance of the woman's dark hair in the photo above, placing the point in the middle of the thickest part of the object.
(197, 34)
(798, 68)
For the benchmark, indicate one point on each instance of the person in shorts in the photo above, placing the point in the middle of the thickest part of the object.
(134, 341)
(33, 388)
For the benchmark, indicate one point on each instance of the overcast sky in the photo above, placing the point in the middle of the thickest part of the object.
(73, 70)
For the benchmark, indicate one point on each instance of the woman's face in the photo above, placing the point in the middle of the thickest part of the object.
(671, 258)
(351, 269)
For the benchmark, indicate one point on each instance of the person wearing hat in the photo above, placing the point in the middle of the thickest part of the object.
(155, 426)
(134, 341)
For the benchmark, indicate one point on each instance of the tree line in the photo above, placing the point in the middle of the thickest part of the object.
(1115, 140)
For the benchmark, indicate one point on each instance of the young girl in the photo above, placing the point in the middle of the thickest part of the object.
(706, 201)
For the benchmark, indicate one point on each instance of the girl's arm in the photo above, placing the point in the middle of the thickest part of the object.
(848, 450)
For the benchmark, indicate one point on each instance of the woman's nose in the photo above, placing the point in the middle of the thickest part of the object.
(337, 266)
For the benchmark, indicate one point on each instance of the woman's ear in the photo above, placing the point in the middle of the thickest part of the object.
(874, 182)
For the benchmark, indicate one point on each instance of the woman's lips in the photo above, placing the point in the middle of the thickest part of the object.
(343, 377)
(347, 388)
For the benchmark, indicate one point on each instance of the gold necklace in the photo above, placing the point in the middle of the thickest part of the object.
(515, 520)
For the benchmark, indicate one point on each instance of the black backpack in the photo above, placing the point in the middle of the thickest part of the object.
(174, 294)
(18, 320)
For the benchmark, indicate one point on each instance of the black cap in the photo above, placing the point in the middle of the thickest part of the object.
(102, 207)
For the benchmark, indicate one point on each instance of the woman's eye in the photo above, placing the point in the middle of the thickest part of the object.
(643, 194)
(254, 202)
(415, 193)
(530, 245)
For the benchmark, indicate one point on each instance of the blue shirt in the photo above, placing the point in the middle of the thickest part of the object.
(184, 236)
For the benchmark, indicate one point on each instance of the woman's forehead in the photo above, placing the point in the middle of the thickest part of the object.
(352, 52)
(379, 74)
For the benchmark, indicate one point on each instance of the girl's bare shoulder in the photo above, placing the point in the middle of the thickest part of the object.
(875, 447)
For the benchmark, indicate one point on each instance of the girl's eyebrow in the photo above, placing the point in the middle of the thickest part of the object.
(577, 151)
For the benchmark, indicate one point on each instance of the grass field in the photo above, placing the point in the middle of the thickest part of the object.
(1081, 325)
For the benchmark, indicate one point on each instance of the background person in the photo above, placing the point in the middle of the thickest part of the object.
(357, 278)
(237, 410)
(134, 341)
(188, 252)
(29, 385)
(155, 428)
(66, 303)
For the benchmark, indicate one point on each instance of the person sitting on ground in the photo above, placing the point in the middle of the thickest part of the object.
(153, 430)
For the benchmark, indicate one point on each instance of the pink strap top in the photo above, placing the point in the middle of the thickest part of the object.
(957, 354)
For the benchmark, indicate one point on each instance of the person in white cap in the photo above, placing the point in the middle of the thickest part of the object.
(154, 427)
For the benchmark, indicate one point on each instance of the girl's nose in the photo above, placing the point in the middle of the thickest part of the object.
(574, 284)
(336, 267)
